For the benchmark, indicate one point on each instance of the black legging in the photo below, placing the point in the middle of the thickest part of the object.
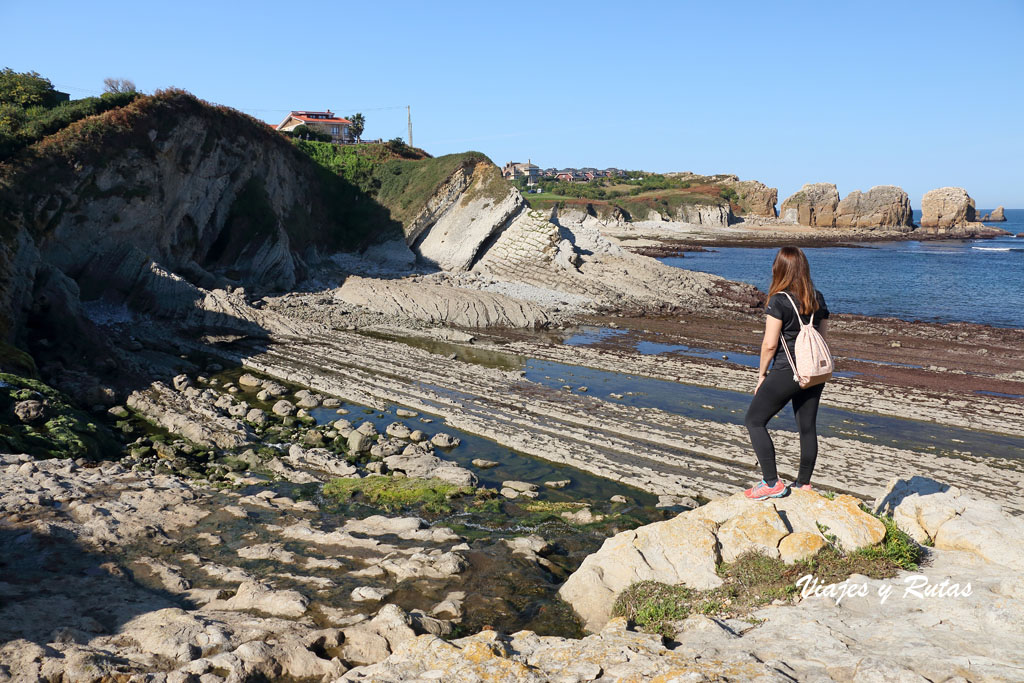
(776, 391)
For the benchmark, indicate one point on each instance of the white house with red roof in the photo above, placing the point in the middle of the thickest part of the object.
(323, 121)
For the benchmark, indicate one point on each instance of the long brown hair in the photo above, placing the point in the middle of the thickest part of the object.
(791, 272)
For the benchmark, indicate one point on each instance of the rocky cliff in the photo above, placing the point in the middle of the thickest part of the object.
(150, 205)
(814, 205)
(883, 207)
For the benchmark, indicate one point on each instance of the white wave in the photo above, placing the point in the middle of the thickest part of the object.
(993, 248)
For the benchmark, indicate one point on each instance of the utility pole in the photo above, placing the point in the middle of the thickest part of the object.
(408, 111)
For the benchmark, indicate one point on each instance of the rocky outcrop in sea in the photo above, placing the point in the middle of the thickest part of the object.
(884, 207)
(997, 216)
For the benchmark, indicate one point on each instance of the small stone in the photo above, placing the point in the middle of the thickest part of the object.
(442, 440)
(402, 412)
(358, 442)
(417, 436)
(800, 545)
(560, 484)
(511, 494)
(368, 428)
(370, 594)
(582, 389)
(484, 464)
(29, 411)
(581, 516)
(398, 430)
(284, 408)
(520, 486)
(619, 499)
(248, 380)
(330, 403)
(119, 411)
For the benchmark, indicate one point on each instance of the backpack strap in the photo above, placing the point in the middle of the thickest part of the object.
(797, 309)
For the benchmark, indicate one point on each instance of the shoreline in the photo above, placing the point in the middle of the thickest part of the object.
(671, 239)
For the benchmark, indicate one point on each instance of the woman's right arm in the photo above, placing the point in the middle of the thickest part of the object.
(769, 345)
(823, 328)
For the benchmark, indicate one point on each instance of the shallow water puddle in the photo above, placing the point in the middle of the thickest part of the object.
(730, 406)
(589, 336)
(511, 464)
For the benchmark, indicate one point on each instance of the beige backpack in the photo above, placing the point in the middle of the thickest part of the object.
(814, 361)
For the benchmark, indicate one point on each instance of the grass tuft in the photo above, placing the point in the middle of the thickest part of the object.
(398, 493)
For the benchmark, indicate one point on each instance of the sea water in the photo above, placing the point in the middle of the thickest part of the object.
(978, 281)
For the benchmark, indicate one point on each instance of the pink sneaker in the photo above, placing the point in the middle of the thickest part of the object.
(805, 487)
(762, 491)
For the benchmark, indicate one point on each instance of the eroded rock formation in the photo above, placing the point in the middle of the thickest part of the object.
(883, 207)
(814, 205)
(756, 198)
(947, 209)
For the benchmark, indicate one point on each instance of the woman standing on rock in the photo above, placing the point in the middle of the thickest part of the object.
(791, 288)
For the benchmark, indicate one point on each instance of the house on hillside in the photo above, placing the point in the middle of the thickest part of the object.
(323, 121)
(571, 175)
(515, 170)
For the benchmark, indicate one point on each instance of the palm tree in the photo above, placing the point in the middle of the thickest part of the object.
(358, 123)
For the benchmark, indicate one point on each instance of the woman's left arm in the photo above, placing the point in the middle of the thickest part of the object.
(769, 345)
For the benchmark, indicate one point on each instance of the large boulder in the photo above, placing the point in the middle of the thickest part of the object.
(814, 205)
(931, 512)
(687, 548)
(947, 208)
(883, 206)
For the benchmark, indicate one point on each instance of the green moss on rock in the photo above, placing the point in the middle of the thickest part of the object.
(62, 432)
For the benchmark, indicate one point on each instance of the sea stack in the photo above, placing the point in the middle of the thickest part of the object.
(947, 208)
(997, 216)
(814, 205)
(884, 207)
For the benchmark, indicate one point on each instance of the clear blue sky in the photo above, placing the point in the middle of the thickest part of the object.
(917, 94)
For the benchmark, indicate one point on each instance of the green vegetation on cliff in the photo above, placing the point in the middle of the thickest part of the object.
(31, 109)
(402, 181)
(338, 217)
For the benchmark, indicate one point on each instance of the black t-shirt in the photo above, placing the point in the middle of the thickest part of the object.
(780, 308)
